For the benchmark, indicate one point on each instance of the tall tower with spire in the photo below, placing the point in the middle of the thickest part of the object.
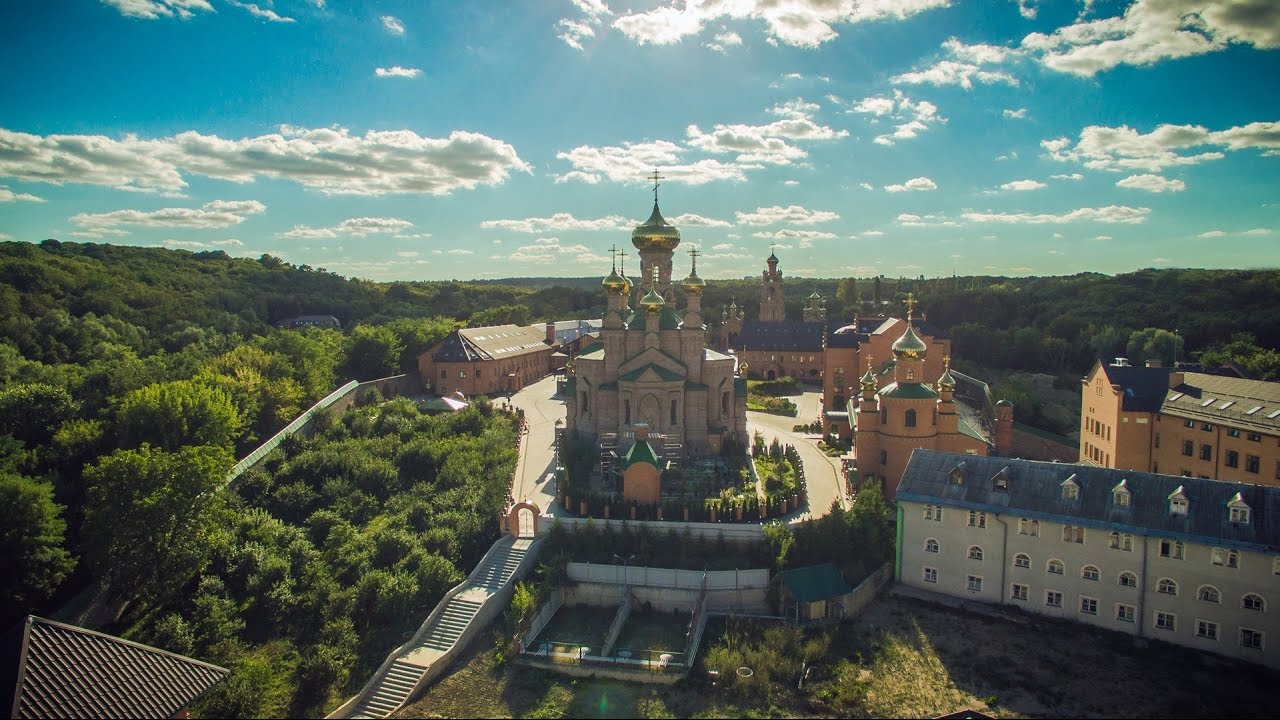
(657, 241)
(651, 368)
(771, 307)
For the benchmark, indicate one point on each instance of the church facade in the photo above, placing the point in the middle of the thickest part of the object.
(651, 369)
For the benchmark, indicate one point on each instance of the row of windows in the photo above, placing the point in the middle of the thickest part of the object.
(1097, 428)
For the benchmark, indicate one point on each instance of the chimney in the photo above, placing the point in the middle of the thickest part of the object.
(1176, 379)
(551, 333)
(1120, 362)
(1154, 363)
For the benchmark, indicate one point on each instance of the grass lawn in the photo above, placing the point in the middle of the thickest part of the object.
(900, 658)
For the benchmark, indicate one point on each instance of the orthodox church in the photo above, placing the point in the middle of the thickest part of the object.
(651, 369)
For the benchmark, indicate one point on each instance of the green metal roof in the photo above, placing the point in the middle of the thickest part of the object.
(660, 371)
(571, 385)
(640, 452)
(909, 391)
(668, 320)
(836, 415)
(966, 428)
(814, 583)
(740, 387)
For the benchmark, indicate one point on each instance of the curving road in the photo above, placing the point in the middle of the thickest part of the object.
(821, 472)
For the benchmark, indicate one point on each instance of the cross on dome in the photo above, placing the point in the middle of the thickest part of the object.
(656, 177)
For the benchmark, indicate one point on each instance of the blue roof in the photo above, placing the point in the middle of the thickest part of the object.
(1034, 490)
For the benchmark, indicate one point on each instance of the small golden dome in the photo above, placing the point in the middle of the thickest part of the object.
(655, 233)
(947, 381)
(615, 284)
(868, 380)
(694, 285)
(652, 302)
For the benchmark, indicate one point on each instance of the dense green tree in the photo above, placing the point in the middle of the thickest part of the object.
(151, 516)
(32, 412)
(371, 352)
(502, 315)
(1154, 344)
(1243, 350)
(174, 414)
(33, 558)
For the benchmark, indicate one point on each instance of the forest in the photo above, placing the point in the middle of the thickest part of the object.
(132, 378)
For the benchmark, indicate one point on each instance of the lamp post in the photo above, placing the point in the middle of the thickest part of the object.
(624, 560)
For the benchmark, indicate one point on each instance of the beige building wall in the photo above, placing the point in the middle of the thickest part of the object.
(1110, 436)
(1150, 559)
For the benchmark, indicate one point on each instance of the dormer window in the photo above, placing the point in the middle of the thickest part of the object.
(1238, 510)
(1120, 494)
(1070, 489)
(1001, 480)
(1179, 503)
(957, 475)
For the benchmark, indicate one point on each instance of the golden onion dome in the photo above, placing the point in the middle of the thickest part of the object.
(868, 380)
(947, 381)
(693, 284)
(909, 345)
(655, 233)
(652, 302)
(615, 284)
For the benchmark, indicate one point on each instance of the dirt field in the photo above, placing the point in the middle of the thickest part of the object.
(902, 658)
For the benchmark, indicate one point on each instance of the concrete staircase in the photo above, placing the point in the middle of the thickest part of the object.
(433, 645)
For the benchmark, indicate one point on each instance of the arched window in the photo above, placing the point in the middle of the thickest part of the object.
(1056, 567)
(586, 402)
(911, 418)
(626, 412)
(1090, 572)
(1022, 560)
(975, 552)
(1167, 587)
(1113, 541)
(724, 403)
(1128, 579)
(675, 410)
(931, 545)
(1253, 601)
(1209, 593)
(1126, 542)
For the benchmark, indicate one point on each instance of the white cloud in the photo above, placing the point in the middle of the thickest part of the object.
(1151, 183)
(964, 65)
(1212, 234)
(412, 236)
(216, 214)
(921, 184)
(461, 251)
(354, 227)
(789, 234)
(392, 24)
(1023, 185)
(1151, 31)
(547, 250)
(722, 247)
(397, 71)
(407, 253)
(792, 215)
(790, 182)
(1117, 214)
(1257, 231)
(912, 116)
(769, 143)
(1123, 148)
(153, 9)
(723, 41)
(260, 12)
(230, 242)
(330, 160)
(631, 162)
(1070, 176)
(872, 233)
(801, 23)
(184, 244)
(1029, 8)
(866, 186)
(557, 222)
(913, 220)
(8, 196)
(693, 220)
(5, 236)
(1019, 114)
(573, 32)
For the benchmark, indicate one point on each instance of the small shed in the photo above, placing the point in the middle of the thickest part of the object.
(813, 593)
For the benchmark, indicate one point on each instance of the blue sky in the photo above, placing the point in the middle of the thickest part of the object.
(436, 140)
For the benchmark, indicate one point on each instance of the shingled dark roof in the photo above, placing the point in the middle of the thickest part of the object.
(1143, 387)
(1034, 490)
(69, 672)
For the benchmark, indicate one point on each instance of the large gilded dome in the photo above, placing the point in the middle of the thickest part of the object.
(909, 345)
(655, 233)
(614, 283)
